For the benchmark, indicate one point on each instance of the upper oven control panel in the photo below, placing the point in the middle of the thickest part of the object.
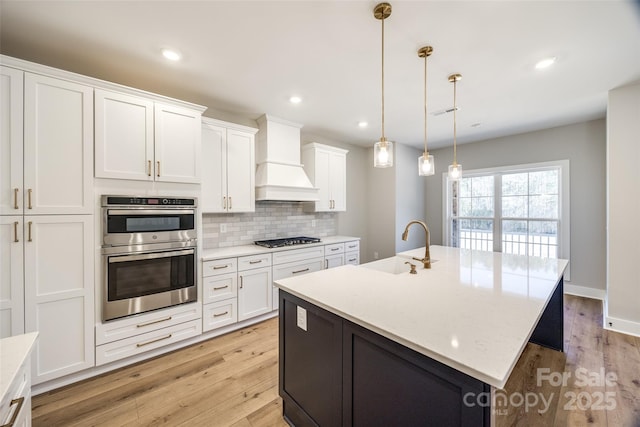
(146, 201)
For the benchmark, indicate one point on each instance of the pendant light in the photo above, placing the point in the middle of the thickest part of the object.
(455, 170)
(383, 149)
(426, 165)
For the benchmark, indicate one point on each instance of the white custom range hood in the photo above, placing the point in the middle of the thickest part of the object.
(279, 175)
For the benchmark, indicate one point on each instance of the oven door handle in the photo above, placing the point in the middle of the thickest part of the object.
(153, 212)
(151, 255)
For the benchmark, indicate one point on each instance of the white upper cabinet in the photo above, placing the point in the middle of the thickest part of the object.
(46, 145)
(228, 167)
(124, 136)
(177, 144)
(327, 169)
(11, 123)
(137, 138)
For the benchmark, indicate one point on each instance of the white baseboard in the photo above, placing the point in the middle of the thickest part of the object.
(584, 291)
(621, 325)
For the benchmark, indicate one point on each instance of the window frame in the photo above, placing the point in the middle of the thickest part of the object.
(564, 210)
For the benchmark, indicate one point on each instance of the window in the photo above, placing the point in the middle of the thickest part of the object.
(517, 210)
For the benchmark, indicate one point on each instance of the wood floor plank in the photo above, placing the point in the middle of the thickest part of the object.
(270, 415)
(622, 360)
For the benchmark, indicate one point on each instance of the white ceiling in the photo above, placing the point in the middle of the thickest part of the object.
(246, 58)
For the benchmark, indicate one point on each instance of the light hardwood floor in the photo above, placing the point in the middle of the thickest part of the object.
(232, 380)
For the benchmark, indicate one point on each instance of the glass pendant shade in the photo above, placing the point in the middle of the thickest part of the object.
(426, 166)
(455, 172)
(383, 154)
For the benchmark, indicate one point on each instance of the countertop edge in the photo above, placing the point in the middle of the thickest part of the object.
(13, 351)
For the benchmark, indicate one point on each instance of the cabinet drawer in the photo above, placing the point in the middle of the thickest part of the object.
(219, 314)
(20, 388)
(337, 248)
(254, 261)
(352, 258)
(219, 287)
(282, 257)
(352, 246)
(133, 326)
(219, 266)
(297, 268)
(138, 344)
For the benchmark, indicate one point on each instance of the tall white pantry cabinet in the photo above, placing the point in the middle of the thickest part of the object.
(46, 219)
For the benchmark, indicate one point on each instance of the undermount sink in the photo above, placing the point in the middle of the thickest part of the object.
(394, 265)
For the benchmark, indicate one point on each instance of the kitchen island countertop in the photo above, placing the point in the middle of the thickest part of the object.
(473, 311)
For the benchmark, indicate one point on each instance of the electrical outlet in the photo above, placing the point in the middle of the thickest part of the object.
(223, 228)
(375, 255)
(301, 318)
(313, 222)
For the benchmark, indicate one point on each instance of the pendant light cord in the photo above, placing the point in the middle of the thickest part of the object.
(455, 108)
(383, 139)
(425, 105)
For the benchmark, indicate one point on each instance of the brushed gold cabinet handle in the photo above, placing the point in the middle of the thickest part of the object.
(334, 249)
(300, 271)
(15, 232)
(142, 344)
(29, 191)
(221, 314)
(224, 202)
(258, 261)
(220, 287)
(218, 267)
(29, 239)
(14, 417)
(148, 167)
(15, 198)
(142, 325)
(241, 282)
(230, 203)
(158, 171)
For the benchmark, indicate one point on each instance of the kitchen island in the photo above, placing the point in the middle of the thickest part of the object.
(376, 345)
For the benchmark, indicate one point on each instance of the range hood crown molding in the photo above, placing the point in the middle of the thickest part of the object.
(279, 175)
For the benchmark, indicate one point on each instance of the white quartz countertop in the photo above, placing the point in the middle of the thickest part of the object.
(244, 250)
(13, 351)
(473, 311)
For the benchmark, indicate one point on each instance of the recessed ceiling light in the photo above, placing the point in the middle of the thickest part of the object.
(295, 100)
(172, 55)
(363, 124)
(545, 63)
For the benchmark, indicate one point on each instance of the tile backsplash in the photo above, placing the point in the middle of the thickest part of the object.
(270, 220)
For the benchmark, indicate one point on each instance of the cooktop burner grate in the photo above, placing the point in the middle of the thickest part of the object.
(287, 241)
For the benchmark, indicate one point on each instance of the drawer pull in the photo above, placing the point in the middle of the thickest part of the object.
(300, 271)
(219, 267)
(142, 325)
(221, 314)
(258, 261)
(335, 249)
(352, 260)
(14, 417)
(220, 287)
(142, 344)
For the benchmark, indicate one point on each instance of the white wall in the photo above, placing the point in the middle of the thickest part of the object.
(623, 194)
(583, 144)
(410, 197)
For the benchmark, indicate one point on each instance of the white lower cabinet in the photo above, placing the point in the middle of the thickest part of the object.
(255, 286)
(59, 292)
(220, 293)
(352, 252)
(11, 276)
(15, 400)
(117, 339)
(334, 255)
(295, 262)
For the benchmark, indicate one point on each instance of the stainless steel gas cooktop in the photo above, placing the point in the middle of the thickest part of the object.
(287, 241)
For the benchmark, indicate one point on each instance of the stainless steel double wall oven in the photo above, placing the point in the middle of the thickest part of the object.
(148, 254)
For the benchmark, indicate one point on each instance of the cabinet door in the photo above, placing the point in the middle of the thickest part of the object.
(241, 167)
(177, 144)
(323, 180)
(334, 261)
(338, 181)
(11, 141)
(11, 279)
(254, 292)
(59, 291)
(123, 137)
(58, 146)
(214, 169)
